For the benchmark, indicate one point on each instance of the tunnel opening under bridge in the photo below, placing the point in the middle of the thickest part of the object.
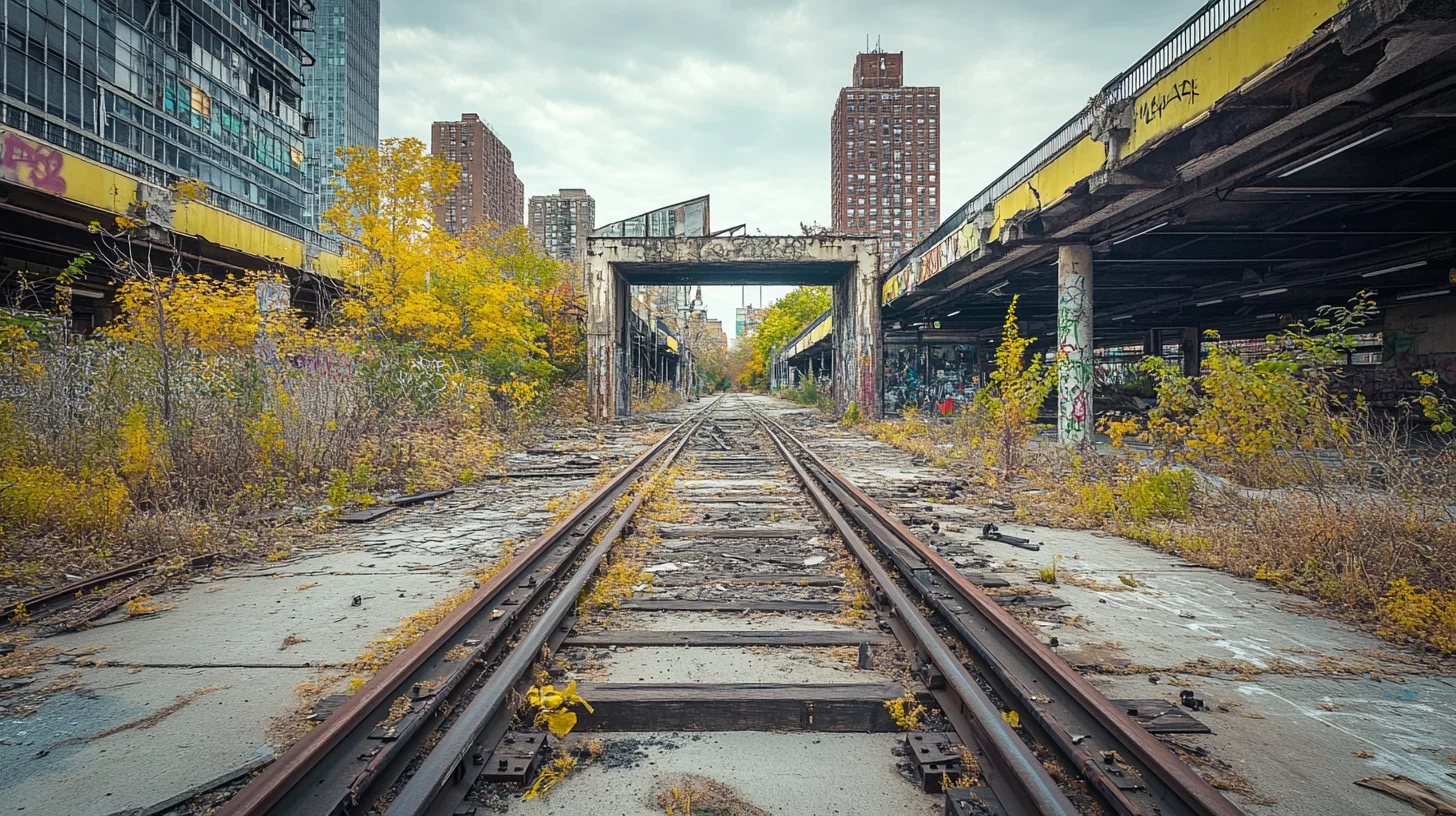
(848, 266)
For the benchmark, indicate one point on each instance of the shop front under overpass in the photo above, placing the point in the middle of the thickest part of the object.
(850, 266)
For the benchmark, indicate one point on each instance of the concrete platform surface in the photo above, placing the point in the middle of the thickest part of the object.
(780, 773)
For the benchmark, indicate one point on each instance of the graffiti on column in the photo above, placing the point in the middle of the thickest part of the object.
(1074, 357)
(32, 164)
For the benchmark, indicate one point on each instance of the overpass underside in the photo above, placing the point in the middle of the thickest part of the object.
(849, 266)
(1243, 184)
(50, 198)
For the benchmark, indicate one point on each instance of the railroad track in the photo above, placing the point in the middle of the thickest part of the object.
(777, 530)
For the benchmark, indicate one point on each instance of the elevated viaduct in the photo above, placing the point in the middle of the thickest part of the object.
(1267, 157)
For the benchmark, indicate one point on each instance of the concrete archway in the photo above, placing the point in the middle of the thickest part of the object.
(849, 265)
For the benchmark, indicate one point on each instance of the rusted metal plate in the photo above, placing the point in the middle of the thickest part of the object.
(1162, 717)
(368, 514)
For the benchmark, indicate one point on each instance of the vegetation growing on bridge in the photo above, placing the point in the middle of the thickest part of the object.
(210, 397)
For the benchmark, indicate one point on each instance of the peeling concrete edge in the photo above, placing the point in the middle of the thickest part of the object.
(261, 757)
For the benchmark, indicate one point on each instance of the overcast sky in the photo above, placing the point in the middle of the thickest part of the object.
(649, 102)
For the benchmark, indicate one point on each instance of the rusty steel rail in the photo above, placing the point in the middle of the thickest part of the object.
(1021, 782)
(443, 780)
(63, 595)
(1132, 772)
(352, 757)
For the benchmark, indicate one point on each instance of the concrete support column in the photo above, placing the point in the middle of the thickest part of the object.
(856, 313)
(1074, 344)
(1153, 343)
(608, 347)
(1192, 352)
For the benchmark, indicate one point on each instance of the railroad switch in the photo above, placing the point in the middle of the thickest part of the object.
(934, 756)
(516, 758)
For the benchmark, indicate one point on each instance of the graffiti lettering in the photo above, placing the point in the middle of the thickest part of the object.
(1074, 354)
(32, 164)
(328, 365)
(1179, 91)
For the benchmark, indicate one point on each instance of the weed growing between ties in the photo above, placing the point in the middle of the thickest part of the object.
(211, 398)
(622, 573)
(1276, 470)
(907, 712)
(694, 795)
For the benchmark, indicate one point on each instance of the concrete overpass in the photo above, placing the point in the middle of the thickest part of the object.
(1267, 157)
(849, 265)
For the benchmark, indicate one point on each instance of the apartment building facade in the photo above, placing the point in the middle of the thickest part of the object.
(885, 156)
(561, 223)
(489, 190)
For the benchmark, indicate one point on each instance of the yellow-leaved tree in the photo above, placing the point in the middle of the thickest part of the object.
(488, 300)
(385, 200)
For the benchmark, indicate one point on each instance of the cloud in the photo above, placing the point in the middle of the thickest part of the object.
(647, 102)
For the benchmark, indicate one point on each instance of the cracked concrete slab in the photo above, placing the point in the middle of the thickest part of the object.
(49, 763)
(1303, 741)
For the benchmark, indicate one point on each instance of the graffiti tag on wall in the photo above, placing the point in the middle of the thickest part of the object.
(932, 261)
(328, 364)
(1179, 91)
(1074, 357)
(31, 164)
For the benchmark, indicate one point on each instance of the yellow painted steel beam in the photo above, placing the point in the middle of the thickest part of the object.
(1247, 49)
(1050, 183)
(818, 333)
(48, 169)
(1259, 40)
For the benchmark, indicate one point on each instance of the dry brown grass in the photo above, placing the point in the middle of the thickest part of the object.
(694, 795)
(1378, 551)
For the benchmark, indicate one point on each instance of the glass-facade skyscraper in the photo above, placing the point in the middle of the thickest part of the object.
(340, 92)
(168, 89)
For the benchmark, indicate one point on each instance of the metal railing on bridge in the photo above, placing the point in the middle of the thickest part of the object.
(1195, 31)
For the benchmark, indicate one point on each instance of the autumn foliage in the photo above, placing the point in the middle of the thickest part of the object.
(785, 319)
(209, 397)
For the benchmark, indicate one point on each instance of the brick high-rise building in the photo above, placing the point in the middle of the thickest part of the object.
(561, 223)
(885, 156)
(489, 189)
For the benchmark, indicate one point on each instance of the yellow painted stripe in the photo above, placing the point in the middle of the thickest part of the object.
(328, 264)
(819, 332)
(45, 168)
(1268, 33)
(225, 229)
(48, 169)
(1051, 182)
